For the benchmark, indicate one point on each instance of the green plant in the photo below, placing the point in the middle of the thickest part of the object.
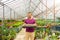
(40, 32)
(53, 37)
(0, 33)
(12, 33)
(0, 20)
(58, 20)
(8, 33)
(41, 22)
(4, 32)
(10, 20)
(17, 24)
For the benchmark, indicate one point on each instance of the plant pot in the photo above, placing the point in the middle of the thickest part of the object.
(0, 37)
(12, 39)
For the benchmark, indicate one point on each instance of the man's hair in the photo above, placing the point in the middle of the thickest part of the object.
(29, 12)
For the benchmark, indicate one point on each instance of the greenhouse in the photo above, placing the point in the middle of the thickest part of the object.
(29, 19)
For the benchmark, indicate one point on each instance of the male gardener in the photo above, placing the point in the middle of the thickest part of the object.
(29, 30)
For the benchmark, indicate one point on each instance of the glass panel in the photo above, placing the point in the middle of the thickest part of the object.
(22, 6)
(7, 12)
(1, 12)
(4, 0)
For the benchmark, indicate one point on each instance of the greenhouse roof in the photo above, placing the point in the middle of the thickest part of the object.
(37, 7)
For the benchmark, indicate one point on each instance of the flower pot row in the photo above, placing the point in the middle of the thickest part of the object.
(8, 33)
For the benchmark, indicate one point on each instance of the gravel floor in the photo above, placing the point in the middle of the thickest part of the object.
(20, 35)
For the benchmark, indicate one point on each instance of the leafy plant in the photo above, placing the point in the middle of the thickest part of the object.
(12, 33)
(8, 33)
(0, 20)
(17, 24)
(53, 37)
(41, 22)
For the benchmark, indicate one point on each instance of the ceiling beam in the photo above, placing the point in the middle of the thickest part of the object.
(8, 2)
(7, 6)
(4, 1)
(46, 6)
(2, 4)
(36, 6)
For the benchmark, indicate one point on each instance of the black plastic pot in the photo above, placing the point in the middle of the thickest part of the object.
(0, 37)
(12, 39)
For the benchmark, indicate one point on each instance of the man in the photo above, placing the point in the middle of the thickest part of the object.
(29, 30)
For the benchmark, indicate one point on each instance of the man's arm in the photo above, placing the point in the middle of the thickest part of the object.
(29, 24)
(33, 24)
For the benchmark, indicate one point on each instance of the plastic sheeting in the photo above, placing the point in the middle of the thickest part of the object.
(22, 7)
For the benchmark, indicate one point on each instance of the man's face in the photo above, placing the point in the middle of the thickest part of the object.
(29, 15)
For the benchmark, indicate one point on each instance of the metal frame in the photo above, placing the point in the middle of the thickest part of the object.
(30, 5)
(3, 17)
(39, 4)
(5, 1)
(14, 15)
(54, 11)
(10, 13)
(36, 6)
(8, 2)
(12, 2)
(3, 5)
(46, 9)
